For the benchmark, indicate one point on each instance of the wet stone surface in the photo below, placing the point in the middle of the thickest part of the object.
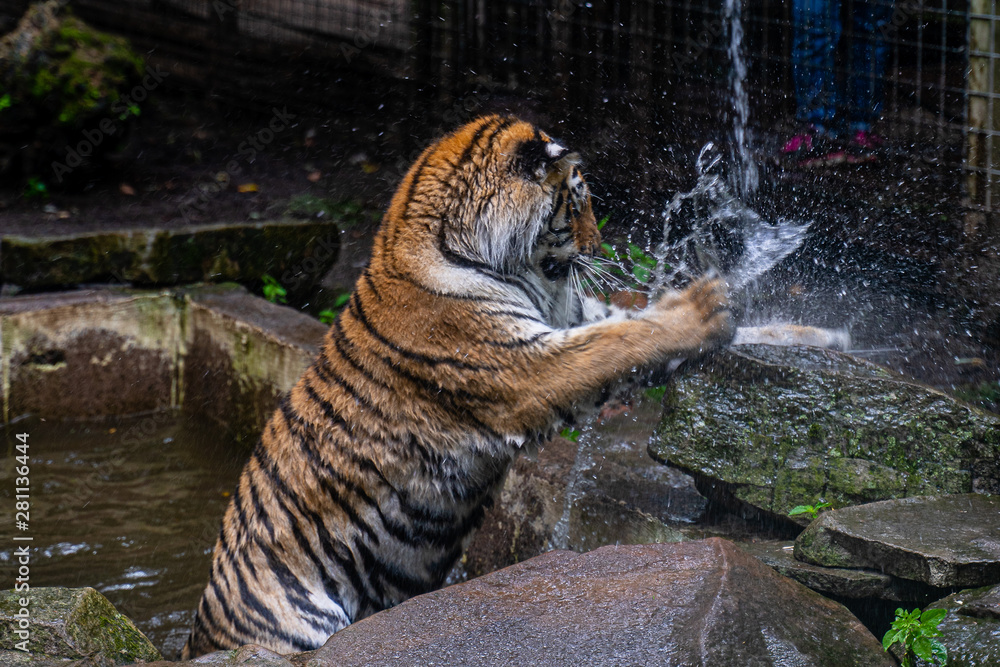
(971, 630)
(699, 602)
(604, 489)
(842, 582)
(985, 606)
(71, 624)
(296, 253)
(250, 655)
(943, 541)
(763, 429)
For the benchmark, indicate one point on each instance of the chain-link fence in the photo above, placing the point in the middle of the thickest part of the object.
(641, 63)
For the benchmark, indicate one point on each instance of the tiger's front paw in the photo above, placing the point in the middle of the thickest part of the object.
(705, 308)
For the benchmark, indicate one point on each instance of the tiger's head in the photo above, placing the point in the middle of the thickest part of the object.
(500, 194)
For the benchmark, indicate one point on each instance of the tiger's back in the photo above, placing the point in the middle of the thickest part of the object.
(452, 352)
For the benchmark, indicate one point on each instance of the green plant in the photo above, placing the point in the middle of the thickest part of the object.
(5, 101)
(915, 632)
(130, 110)
(570, 434)
(811, 510)
(656, 393)
(273, 291)
(328, 315)
(642, 263)
(35, 189)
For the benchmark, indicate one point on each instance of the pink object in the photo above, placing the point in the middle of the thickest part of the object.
(866, 139)
(798, 143)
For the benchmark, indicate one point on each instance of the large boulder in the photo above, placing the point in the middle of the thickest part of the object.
(769, 428)
(971, 630)
(942, 541)
(66, 624)
(64, 94)
(691, 603)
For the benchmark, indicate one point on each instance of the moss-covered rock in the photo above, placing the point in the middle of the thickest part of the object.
(841, 583)
(70, 624)
(771, 428)
(971, 630)
(296, 253)
(60, 77)
(942, 541)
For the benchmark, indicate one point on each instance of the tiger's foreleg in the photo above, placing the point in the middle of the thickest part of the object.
(580, 361)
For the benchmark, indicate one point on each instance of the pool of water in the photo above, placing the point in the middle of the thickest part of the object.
(129, 506)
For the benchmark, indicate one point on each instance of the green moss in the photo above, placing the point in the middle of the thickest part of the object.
(85, 71)
(346, 213)
(799, 432)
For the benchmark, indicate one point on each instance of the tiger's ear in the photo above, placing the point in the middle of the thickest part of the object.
(538, 159)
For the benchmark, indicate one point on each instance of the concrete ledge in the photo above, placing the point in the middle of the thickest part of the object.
(291, 251)
(214, 350)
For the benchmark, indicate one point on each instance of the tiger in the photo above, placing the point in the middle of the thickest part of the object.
(467, 337)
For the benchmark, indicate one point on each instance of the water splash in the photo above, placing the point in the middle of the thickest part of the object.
(708, 227)
(560, 532)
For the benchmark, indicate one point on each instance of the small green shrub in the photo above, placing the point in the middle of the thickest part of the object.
(656, 393)
(570, 434)
(273, 291)
(915, 632)
(811, 510)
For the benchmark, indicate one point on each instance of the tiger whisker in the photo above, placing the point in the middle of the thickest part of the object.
(601, 275)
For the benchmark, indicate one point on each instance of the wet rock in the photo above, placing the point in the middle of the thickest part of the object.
(693, 603)
(971, 630)
(605, 489)
(763, 429)
(840, 582)
(943, 541)
(89, 353)
(295, 253)
(70, 624)
(241, 354)
(250, 655)
(59, 78)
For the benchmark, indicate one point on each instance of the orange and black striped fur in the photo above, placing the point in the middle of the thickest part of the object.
(466, 337)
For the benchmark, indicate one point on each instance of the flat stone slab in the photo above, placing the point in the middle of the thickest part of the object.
(942, 541)
(250, 655)
(765, 429)
(69, 624)
(986, 605)
(296, 253)
(692, 603)
(839, 581)
(971, 635)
